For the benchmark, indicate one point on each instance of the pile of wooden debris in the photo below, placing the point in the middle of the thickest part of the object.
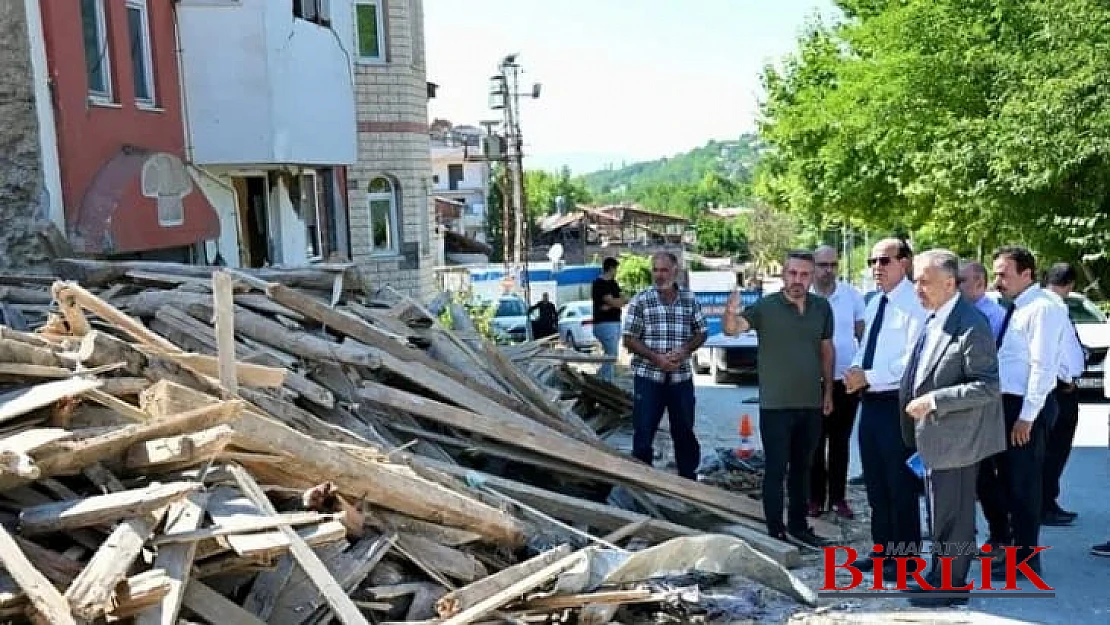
(281, 446)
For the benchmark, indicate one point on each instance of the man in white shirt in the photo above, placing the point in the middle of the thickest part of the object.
(893, 320)
(1059, 281)
(829, 475)
(1028, 364)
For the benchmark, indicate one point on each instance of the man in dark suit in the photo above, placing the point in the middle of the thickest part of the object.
(952, 412)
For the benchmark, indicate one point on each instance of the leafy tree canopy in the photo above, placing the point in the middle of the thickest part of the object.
(978, 122)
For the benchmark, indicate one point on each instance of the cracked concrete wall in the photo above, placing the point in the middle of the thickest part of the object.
(22, 191)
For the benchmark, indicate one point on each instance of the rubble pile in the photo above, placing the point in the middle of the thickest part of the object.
(281, 446)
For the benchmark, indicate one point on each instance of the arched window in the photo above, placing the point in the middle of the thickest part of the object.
(382, 202)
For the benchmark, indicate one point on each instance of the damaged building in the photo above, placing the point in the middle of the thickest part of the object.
(245, 133)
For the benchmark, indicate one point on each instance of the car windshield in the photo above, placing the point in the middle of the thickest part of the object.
(1081, 310)
(510, 308)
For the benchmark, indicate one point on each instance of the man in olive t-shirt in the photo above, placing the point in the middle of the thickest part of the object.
(795, 365)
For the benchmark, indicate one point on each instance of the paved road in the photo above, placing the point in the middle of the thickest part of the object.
(1082, 581)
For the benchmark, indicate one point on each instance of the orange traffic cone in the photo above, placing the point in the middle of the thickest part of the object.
(747, 447)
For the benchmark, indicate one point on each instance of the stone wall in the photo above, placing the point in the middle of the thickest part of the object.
(392, 113)
(22, 192)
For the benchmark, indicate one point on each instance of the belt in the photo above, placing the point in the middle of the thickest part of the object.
(882, 394)
(1014, 395)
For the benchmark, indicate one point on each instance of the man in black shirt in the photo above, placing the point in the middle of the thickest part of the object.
(547, 323)
(606, 295)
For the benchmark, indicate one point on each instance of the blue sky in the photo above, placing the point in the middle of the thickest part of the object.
(623, 80)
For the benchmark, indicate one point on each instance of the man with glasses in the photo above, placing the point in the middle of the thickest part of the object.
(795, 361)
(828, 478)
(664, 325)
(893, 321)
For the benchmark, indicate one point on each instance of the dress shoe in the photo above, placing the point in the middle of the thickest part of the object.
(998, 568)
(924, 599)
(1056, 519)
(808, 538)
(1054, 508)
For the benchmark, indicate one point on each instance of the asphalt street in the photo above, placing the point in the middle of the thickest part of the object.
(1081, 580)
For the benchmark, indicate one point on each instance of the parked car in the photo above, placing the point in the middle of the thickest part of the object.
(576, 321)
(510, 321)
(1094, 335)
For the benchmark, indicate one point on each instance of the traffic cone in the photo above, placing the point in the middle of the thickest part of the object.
(747, 447)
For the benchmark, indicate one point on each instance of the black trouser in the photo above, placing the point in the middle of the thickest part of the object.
(789, 436)
(952, 504)
(830, 478)
(892, 488)
(1007, 484)
(1058, 448)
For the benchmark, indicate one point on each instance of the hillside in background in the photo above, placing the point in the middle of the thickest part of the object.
(732, 160)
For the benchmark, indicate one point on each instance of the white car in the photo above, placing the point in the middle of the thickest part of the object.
(576, 321)
(510, 319)
(1094, 335)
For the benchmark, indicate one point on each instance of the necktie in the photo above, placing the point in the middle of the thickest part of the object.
(918, 347)
(873, 334)
(1005, 324)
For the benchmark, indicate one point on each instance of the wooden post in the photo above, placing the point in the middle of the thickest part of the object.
(223, 294)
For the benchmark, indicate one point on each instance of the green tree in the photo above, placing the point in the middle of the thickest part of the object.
(542, 189)
(634, 273)
(716, 236)
(771, 234)
(968, 122)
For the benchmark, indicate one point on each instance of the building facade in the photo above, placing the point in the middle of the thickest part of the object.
(269, 98)
(110, 130)
(392, 218)
(235, 132)
(457, 177)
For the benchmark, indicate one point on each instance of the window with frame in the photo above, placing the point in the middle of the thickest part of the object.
(454, 176)
(142, 54)
(370, 30)
(315, 11)
(382, 204)
(94, 34)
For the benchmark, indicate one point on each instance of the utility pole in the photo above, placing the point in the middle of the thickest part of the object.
(505, 94)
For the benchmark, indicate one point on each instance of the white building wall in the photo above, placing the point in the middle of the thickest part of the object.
(263, 87)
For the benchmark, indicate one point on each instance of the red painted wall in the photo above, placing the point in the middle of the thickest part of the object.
(89, 135)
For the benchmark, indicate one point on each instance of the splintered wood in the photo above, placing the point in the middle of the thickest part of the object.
(183, 443)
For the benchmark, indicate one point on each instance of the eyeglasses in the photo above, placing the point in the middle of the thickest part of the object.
(879, 260)
(827, 265)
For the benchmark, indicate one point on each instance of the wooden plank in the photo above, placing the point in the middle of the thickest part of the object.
(15, 404)
(114, 316)
(467, 597)
(96, 273)
(231, 509)
(517, 587)
(444, 560)
(223, 298)
(356, 564)
(609, 518)
(184, 449)
(176, 559)
(102, 509)
(564, 602)
(90, 593)
(244, 526)
(243, 373)
(117, 387)
(124, 409)
(48, 603)
(538, 438)
(345, 610)
(138, 593)
(214, 607)
(396, 487)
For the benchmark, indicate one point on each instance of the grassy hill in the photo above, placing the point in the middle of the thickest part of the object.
(732, 160)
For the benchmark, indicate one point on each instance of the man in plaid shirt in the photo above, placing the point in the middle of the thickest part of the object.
(664, 325)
